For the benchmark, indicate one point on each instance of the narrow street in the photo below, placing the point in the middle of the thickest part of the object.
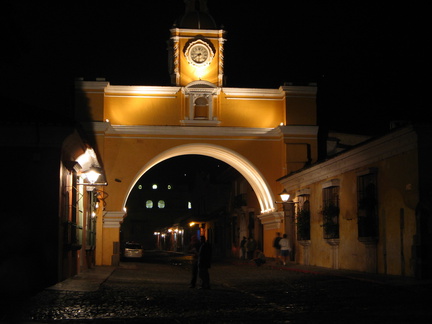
(156, 290)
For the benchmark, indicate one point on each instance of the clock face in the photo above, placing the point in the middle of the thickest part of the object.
(199, 53)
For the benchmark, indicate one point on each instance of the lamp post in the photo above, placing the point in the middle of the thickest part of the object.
(289, 226)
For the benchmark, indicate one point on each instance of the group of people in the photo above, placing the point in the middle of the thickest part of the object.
(281, 245)
(247, 248)
(282, 248)
(201, 252)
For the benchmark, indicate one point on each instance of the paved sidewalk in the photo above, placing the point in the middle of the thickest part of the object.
(88, 280)
(155, 290)
(356, 275)
(91, 279)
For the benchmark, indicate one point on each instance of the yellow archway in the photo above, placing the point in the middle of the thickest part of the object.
(240, 163)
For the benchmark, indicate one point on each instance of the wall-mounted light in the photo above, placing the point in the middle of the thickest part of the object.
(92, 174)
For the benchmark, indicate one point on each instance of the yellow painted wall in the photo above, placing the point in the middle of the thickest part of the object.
(251, 112)
(134, 110)
(392, 197)
(125, 157)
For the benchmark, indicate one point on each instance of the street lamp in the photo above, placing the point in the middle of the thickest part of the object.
(284, 195)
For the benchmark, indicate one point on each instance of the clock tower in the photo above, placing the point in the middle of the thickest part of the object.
(196, 47)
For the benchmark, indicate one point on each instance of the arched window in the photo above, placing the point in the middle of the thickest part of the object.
(161, 204)
(149, 204)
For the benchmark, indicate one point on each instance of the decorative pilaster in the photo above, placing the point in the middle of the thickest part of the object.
(306, 251)
(334, 243)
(272, 220)
(113, 219)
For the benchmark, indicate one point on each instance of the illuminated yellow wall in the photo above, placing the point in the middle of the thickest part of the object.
(396, 195)
(125, 157)
(125, 148)
(142, 111)
(250, 112)
(189, 73)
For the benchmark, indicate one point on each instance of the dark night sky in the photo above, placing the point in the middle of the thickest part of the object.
(365, 56)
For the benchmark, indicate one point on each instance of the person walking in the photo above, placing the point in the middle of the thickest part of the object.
(285, 248)
(194, 247)
(250, 248)
(204, 263)
(277, 247)
(243, 248)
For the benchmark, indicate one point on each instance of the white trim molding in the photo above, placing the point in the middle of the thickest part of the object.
(113, 219)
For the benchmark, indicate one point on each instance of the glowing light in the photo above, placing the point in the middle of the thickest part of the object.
(200, 71)
(92, 175)
(284, 195)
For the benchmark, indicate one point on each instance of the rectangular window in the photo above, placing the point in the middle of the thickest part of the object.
(330, 212)
(303, 218)
(367, 205)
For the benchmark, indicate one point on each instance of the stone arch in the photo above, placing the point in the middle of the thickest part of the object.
(237, 161)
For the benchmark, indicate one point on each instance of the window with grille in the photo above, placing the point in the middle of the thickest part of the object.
(367, 206)
(303, 218)
(330, 212)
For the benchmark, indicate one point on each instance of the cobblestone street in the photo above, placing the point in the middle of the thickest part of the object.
(156, 290)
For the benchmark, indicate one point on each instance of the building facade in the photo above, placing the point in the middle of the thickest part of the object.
(262, 133)
(48, 213)
(366, 209)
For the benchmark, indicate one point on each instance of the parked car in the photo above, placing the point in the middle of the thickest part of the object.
(133, 250)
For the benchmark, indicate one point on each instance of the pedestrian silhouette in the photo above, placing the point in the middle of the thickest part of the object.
(285, 248)
(277, 247)
(194, 247)
(243, 248)
(250, 247)
(204, 263)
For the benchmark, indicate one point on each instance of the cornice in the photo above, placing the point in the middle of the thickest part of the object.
(235, 93)
(264, 133)
(91, 85)
(300, 91)
(112, 91)
(297, 131)
(179, 32)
